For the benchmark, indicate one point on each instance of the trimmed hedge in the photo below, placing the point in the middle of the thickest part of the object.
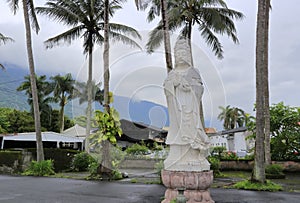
(11, 161)
(62, 158)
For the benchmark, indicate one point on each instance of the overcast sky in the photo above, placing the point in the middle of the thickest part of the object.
(135, 74)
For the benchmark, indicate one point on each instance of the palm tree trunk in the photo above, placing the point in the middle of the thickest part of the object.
(258, 174)
(266, 90)
(37, 122)
(61, 114)
(89, 101)
(106, 159)
(201, 112)
(167, 42)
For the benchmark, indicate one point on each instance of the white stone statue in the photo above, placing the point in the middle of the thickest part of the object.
(189, 144)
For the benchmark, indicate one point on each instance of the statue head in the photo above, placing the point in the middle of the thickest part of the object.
(182, 53)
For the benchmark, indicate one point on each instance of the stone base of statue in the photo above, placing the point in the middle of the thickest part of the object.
(194, 183)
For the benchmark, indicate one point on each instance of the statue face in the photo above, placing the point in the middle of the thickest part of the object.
(182, 54)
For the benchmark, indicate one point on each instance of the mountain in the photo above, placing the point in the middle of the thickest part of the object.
(139, 111)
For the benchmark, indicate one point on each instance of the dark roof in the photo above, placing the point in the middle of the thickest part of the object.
(235, 130)
(139, 131)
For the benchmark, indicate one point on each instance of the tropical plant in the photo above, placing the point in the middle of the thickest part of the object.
(42, 168)
(63, 89)
(258, 174)
(86, 19)
(29, 14)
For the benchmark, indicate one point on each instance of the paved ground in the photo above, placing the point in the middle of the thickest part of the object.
(15, 189)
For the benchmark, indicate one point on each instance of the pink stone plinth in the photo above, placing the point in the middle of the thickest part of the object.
(195, 183)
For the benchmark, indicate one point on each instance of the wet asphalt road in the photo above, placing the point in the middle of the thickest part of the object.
(22, 189)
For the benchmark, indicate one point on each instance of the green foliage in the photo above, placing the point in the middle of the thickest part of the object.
(117, 156)
(116, 175)
(248, 185)
(8, 158)
(285, 128)
(137, 149)
(109, 127)
(214, 165)
(62, 158)
(82, 161)
(233, 117)
(274, 169)
(217, 151)
(42, 168)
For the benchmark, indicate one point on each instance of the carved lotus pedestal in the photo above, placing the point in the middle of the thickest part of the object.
(194, 183)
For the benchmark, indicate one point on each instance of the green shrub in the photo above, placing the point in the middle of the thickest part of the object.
(42, 168)
(82, 161)
(274, 169)
(8, 158)
(137, 149)
(116, 175)
(214, 165)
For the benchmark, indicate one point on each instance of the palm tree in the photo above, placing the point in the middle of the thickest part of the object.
(30, 15)
(63, 89)
(258, 174)
(233, 117)
(80, 91)
(212, 17)
(85, 17)
(159, 7)
(44, 90)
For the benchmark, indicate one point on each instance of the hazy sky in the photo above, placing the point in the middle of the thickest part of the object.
(135, 74)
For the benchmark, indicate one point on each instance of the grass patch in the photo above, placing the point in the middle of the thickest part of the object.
(133, 180)
(248, 185)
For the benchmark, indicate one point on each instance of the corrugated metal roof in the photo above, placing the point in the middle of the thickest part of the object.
(46, 136)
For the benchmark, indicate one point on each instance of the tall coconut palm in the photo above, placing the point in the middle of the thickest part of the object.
(211, 16)
(85, 17)
(62, 92)
(258, 174)
(30, 20)
(159, 7)
(80, 92)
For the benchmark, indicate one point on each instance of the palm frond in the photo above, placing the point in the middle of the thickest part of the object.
(156, 37)
(211, 40)
(14, 5)
(4, 39)
(68, 37)
(32, 15)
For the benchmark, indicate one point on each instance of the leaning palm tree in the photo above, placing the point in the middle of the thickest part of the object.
(30, 15)
(159, 7)
(85, 17)
(63, 89)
